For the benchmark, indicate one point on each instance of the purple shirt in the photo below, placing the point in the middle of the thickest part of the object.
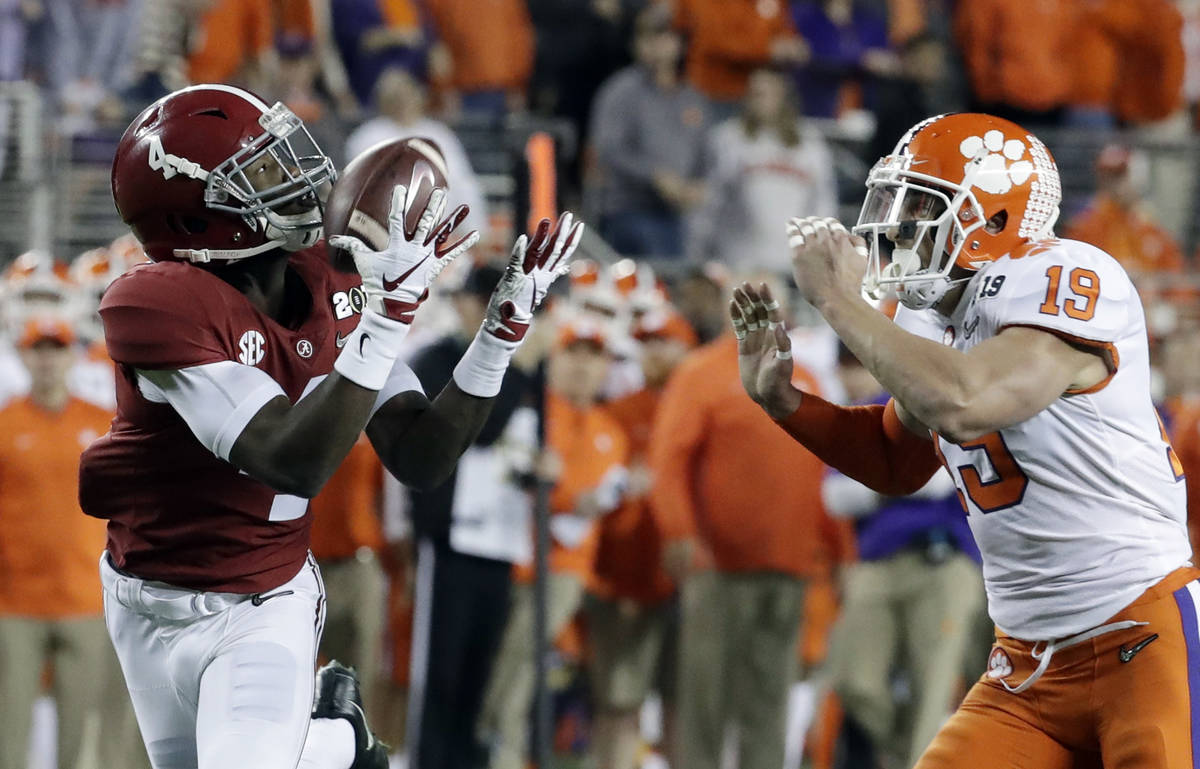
(903, 521)
(351, 20)
(836, 53)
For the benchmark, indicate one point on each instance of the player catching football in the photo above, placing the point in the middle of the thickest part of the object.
(247, 368)
(1020, 361)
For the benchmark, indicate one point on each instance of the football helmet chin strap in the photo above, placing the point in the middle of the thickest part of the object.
(287, 232)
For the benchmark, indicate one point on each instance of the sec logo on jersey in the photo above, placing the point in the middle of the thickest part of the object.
(252, 347)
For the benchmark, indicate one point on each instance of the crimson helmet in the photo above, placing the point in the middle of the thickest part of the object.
(211, 173)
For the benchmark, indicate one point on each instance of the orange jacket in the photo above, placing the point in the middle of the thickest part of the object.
(49, 550)
(346, 512)
(233, 32)
(490, 42)
(728, 474)
(590, 444)
(1129, 235)
(629, 554)
(1095, 62)
(1147, 38)
(1017, 52)
(729, 39)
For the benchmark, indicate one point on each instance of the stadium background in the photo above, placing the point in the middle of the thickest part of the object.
(1111, 86)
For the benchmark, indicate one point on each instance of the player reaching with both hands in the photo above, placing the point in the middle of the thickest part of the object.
(1021, 362)
(247, 368)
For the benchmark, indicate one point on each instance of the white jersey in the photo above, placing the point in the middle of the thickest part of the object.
(1081, 508)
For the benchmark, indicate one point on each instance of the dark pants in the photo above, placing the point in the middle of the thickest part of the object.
(460, 612)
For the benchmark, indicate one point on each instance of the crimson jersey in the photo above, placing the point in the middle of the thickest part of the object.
(176, 512)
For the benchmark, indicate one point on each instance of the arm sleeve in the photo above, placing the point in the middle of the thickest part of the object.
(866, 443)
(400, 380)
(1072, 290)
(151, 321)
(216, 400)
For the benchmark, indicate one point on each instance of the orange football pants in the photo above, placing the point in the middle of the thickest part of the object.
(1094, 706)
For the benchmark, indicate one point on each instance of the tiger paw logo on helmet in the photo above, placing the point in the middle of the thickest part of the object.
(1003, 168)
(969, 188)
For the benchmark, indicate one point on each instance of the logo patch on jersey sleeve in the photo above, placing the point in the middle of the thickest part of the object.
(347, 303)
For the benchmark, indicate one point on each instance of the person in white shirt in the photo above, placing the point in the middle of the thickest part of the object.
(402, 103)
(762, 167)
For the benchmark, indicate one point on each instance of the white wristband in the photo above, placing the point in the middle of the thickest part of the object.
(370, 351)
(482, 366)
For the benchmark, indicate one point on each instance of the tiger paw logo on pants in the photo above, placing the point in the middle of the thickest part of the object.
(1003, 168)
(999, 664)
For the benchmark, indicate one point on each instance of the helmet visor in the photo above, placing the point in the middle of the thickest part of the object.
(281, 172)
(893, 204)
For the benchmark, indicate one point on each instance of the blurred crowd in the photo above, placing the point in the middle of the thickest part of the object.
(716, 596)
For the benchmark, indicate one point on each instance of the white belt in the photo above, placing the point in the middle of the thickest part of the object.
(160, 600)
(1065, 643)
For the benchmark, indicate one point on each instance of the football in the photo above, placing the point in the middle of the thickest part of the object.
(361, 198)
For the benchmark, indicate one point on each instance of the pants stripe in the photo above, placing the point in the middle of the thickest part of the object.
(1187, 598)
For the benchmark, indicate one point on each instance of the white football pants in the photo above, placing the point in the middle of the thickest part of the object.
(225, 680)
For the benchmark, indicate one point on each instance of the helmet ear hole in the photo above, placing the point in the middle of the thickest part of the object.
(997, 222)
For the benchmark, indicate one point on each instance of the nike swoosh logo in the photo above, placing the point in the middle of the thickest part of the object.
(361, 341)
(258, 599)
(340, 340)
(394, 283)
(1128, 653)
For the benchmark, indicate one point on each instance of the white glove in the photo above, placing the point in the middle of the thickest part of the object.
(535, 264)
(396, 280)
